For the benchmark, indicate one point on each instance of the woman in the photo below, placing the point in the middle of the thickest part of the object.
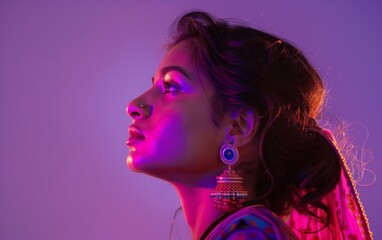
(230, 122)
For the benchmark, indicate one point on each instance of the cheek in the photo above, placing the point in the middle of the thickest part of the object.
(173, 141)
(166, 142)
(193, 141)
(170, 138)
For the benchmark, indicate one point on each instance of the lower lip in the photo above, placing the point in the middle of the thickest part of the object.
(134, 140)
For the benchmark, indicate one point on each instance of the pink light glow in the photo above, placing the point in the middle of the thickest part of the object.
(68, 68)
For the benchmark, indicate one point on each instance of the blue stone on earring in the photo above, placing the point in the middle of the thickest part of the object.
(229, 154)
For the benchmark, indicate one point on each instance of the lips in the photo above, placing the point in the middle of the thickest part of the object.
(135, 136)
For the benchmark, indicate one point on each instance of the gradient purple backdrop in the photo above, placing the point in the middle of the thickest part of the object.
(68, 68)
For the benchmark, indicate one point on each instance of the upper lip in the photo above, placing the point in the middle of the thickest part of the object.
(135, 132)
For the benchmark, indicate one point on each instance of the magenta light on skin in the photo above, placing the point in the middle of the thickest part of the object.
(67, 69)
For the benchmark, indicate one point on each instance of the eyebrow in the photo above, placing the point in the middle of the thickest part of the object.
(167, 69)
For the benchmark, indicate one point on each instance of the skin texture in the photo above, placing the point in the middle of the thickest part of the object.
(173, 136)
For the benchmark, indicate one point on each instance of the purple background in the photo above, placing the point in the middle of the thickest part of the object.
(68, 68)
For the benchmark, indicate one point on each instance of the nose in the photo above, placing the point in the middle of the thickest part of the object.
(138, 110)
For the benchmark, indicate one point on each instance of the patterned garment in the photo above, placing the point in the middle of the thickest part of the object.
(253, 222)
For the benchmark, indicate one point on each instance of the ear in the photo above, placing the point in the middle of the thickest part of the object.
(242, 127)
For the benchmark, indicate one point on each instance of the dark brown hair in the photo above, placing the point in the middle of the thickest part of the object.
(295, 167)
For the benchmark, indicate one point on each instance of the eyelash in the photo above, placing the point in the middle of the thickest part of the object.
(170, 87)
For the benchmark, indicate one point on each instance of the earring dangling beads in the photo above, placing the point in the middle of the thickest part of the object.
(229, 194)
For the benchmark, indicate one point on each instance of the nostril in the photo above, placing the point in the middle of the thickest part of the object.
(138, 111)
(132, 111)
(135, 114)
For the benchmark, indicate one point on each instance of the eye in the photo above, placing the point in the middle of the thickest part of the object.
(170, 86)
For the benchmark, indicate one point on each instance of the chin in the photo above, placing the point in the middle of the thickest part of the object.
(131, 164)
(141, 165)
(149, 168)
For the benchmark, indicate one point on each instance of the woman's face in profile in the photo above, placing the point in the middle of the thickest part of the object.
(173, 132)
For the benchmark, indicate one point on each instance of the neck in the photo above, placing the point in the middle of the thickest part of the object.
(198, 205)
(194, 193)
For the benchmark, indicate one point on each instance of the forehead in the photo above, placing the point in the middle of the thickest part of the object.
(180, 55)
